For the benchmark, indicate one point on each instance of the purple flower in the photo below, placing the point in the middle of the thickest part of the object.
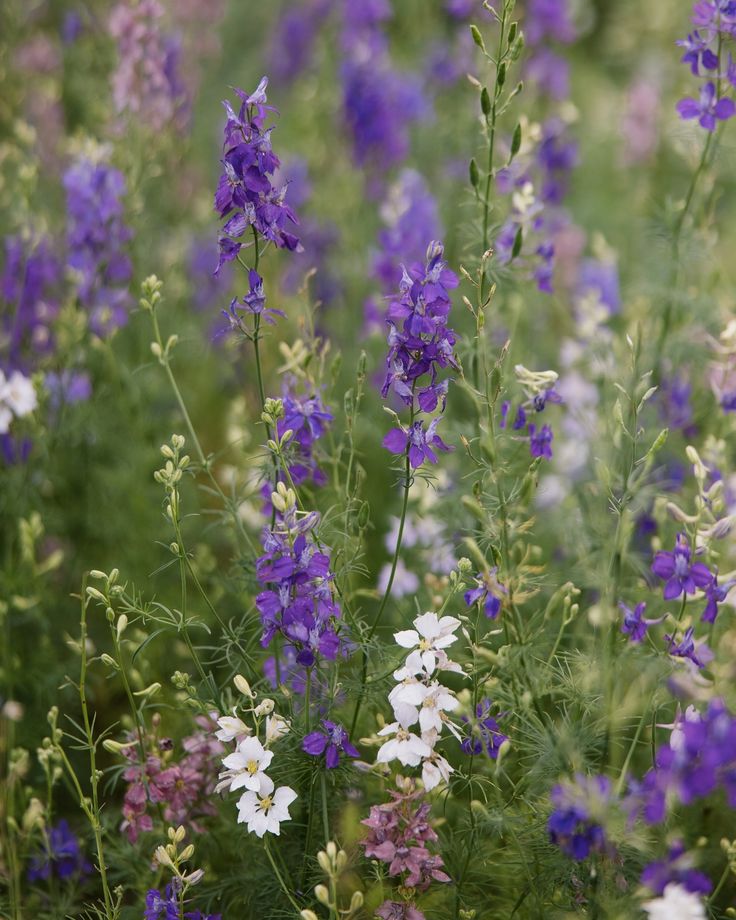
(686, 648)
(699, 758)
(707, 109)
(419, 442)
(540, 442)
(486, 593)
(679, 574)
(634, 625)
(245, 192)
(97, 239)
(62, 856)
(485, 732)
(332, 742)
(715, 594)
(697, 52)
(676, 868)
(574, 824)
(549, 19)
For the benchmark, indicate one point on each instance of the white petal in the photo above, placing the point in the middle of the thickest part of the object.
(407, 638)
(427, 625)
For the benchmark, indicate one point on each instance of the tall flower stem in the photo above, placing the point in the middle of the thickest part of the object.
(279, 876)
(389, 584)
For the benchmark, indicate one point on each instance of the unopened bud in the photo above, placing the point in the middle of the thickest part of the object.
(242, 685)
(322, 894)
(264, 708)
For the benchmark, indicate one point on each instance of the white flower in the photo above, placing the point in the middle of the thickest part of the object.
(676, 904)
(231, 729)
(437, 700)
(276, 727)
(19, 394)
(265, 814)
(405, 699)
(435, 770)
(6, 417)
(431, 634)
(414, 665)
(246, 766)
(406, 747)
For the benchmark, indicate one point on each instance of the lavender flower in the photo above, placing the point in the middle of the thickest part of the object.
(540, 442)
(576, 823)
(485, 732)
(715, 594)
(61, 858)
(167, 906)
(635, 625)
(332, 742)
(679, 574)
(699, 759)
(676, 868)
(298, 598)
(146, 82)
(487, 593)
(245, 192)
(97, 238)
(686, 648)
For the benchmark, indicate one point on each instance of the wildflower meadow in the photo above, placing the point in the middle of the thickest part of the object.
(367, 459)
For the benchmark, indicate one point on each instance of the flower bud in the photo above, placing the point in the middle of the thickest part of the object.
(308, 915)
(122, 623)
(264, 708)
(322, 895)
(356, 902)
(242, 685)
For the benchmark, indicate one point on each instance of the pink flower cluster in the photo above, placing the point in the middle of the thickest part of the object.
(146, 82)
(184, 788)
(399, 833)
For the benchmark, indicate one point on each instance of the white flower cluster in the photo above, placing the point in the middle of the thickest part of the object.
(420, 702)
(17, 398)
(675, 904)
(261, 807)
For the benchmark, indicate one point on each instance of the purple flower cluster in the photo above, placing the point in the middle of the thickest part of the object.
(399, 834)
(575, 825)
(61, 858)
(548, 23)
(182, 788)
(29, 288)
(540, 438)
(297, 601)
(698, 760)
(676, 869)
(146, 82)
(97, 237)
(293, 38)
(379, 103)
(715, 25)
(245, 192)
(308, 418)
(167, 906)
(420, 344)
(484, 732)
(332, 741)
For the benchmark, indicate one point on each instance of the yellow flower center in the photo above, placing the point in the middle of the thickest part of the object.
(266, 803)
(252, 766)
(424, 645)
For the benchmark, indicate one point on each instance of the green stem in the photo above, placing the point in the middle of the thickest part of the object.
(325, 813)
(279, 876)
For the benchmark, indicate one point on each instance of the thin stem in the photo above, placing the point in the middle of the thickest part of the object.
(325, 813)
(278, 875)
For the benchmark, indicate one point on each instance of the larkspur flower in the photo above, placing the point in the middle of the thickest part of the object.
(332, 742)
(715, 594)
(686, 648)
(61, 858)
(487, 593)
(97, 239)
(485, 732)
(635, 625)
(245, 193)
(231, 728)
(575, 825)
(707, 108)
(676, 869)
(698, 759)
(245, 768)
(675, 904)
(681, 576)
(430, 635)
(265, 813)
(540, 441)
(419, 442)
(406, 747)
